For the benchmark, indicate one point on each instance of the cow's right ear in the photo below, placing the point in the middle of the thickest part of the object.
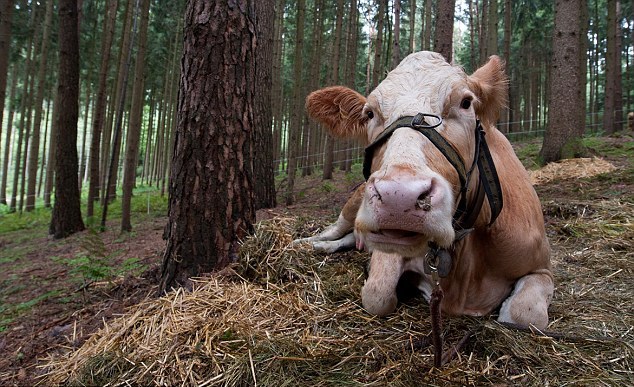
(340, 109)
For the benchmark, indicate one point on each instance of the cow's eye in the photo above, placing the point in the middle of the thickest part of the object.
(370, 114)
(466, 103)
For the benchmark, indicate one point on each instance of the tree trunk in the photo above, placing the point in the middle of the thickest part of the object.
(611, 66)
(211, 195)
(136, 119)
(6, 11)
(51, 154)
(334, 80)
(443, 39)
(66, 217)
(412, 26)
(507, 57)
(492, 29)
(7, 142)
(562, 139)
(377, 73)
(100, 108)
(298, 104)
(122, 86)
(396, 48)
(263, 127)
(428, 25)
(34, 150)
(121, 95)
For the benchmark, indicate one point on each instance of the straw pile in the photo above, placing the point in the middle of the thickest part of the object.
(571, 169)
(285, 316)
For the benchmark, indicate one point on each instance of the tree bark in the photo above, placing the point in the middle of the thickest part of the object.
(66, 217)
(443, 39)
(136, 119)
(210, 190)
(412, 26)
(263, 131)
(562, 139)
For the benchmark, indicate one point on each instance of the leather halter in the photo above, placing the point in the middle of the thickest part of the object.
(488, 182)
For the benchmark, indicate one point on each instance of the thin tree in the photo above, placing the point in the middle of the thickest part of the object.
(334, 79)
(443, 37)
(562, 139)
(66, 217)
(6, 13)
(378, 46)
(611, 116)
(7, 142)
(34, 150)
(412, 25)
(100, 108)
(136, 119)
(298, 105)
(211, 183)
(396, 49)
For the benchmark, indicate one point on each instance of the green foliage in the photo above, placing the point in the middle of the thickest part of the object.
(96, 263)
(327, 186)
(16, 221)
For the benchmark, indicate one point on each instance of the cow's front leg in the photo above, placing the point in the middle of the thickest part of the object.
(528, 303)
(378, 294)
(338, 236)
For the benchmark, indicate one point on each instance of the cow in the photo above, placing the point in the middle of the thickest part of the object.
(434, 156)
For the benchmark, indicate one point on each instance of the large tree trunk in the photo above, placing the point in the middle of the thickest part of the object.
(66, 218)
(263, 131)
(443, 39)
(211, 195)
(34, 149)
(562, 139)
(100, 108)
(136, 119)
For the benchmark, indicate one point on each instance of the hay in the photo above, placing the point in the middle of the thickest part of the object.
(571, 169)
(285, 316)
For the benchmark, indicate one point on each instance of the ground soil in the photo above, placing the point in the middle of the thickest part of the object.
(68, 311)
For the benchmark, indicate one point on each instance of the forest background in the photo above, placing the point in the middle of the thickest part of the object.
(353, 43)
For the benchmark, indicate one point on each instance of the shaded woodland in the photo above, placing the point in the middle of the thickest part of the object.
(129, 74)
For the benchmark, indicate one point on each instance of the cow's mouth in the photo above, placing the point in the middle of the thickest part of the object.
(394, 236)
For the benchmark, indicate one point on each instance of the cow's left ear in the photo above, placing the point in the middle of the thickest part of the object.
(490, 84)
(340, 109)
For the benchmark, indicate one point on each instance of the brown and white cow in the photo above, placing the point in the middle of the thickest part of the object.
(410, 199)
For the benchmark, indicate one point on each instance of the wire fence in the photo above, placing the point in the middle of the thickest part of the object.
(148, 199)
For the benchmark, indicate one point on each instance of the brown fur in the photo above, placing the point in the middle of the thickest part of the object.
(490, 84)
(340, 109)
(490, 261)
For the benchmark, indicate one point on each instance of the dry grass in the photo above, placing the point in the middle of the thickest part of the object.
(285, 317)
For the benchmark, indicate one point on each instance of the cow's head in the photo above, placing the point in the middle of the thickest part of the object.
(410, 196)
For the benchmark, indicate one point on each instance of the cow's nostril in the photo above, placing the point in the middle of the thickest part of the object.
(423, 202)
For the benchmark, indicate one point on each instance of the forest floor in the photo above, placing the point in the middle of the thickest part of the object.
(55, 293)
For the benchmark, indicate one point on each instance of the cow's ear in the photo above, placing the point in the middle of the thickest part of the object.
(490, 84)
(340, 109)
